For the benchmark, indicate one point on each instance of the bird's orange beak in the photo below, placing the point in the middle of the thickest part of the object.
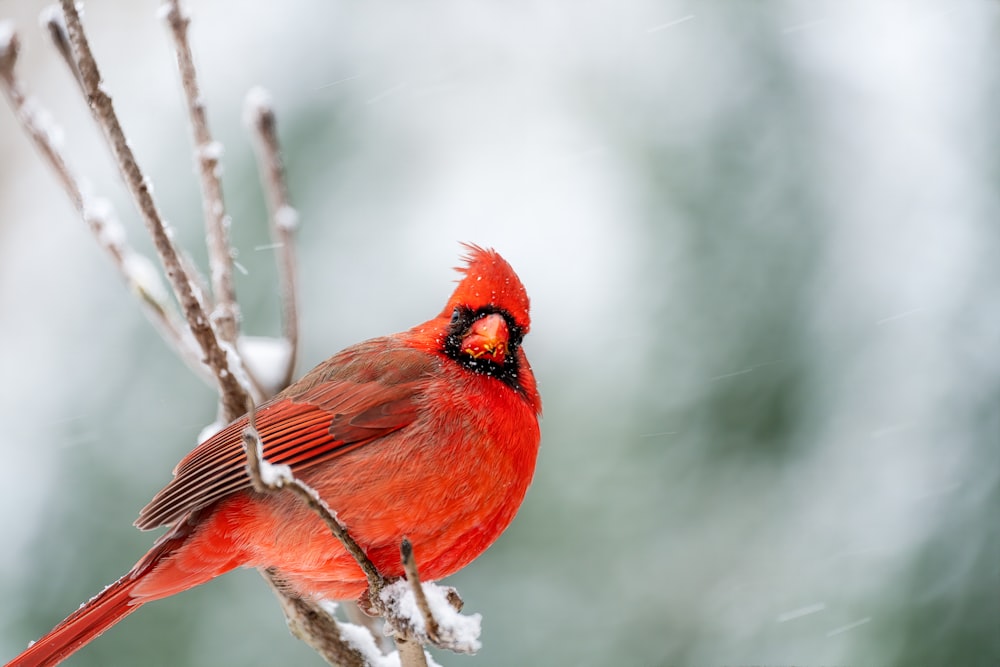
(487, 339)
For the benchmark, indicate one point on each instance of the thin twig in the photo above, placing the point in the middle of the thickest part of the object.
(136, 269)
(267, 478)
(413, 576)
(305, 617)
(208, 153)
(52, 18)
(27, 112)
(232, 393)
(259, 116)
(321, 634)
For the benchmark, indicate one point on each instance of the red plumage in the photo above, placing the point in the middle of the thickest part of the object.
(431, 433)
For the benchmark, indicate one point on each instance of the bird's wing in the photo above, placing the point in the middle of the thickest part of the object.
(357, 397)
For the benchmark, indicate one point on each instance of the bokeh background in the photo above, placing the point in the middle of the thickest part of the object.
(762, 244)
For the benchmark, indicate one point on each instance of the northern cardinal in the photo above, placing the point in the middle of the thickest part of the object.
(430, 433)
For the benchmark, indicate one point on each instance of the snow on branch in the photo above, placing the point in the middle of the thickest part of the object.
(268, 478)
(135, 268)
(427, 612)
(415, 614)
(208, 154)
(233, 395)
(51, 18)
(258, 115)
(36, 122)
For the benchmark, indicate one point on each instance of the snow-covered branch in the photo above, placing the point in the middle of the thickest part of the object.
(415, 613)
(259, 117)
(138, 272)
(428, 613)
(208, 154)
(233, 395)
(52, 19)
(268, 478)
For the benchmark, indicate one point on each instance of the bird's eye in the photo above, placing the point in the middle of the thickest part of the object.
(456, 315)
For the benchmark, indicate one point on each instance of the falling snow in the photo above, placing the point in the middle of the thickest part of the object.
(286, 217)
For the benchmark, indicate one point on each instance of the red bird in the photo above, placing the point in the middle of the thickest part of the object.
(431, 434)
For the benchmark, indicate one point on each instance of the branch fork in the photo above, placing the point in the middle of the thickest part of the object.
(414, 612)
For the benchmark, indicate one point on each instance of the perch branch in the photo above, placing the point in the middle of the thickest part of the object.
(259, 117)
(268, 478)
(310, 623)
(306, 619)
(411, 653)
(208, 154)
(233, 395)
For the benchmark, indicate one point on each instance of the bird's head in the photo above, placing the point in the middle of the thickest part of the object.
(487, 316)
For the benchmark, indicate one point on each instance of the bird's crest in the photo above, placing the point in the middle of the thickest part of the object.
(489, 281)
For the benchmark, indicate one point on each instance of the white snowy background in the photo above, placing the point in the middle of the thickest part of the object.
(761, 240)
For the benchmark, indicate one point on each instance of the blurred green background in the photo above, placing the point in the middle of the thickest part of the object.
(761, 241)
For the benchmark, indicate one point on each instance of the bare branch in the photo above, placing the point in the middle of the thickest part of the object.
(31, 117)
(208, 154)
(259, 116)
(136, 269)
(53, 21)
(233, 395)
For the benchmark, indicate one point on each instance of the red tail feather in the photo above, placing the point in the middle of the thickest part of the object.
(150, 579)
(112, 605)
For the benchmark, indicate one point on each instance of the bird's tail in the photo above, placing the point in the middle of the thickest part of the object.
(152, 578)
(107, 608)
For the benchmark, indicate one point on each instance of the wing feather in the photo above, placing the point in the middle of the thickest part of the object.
(335, 409)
